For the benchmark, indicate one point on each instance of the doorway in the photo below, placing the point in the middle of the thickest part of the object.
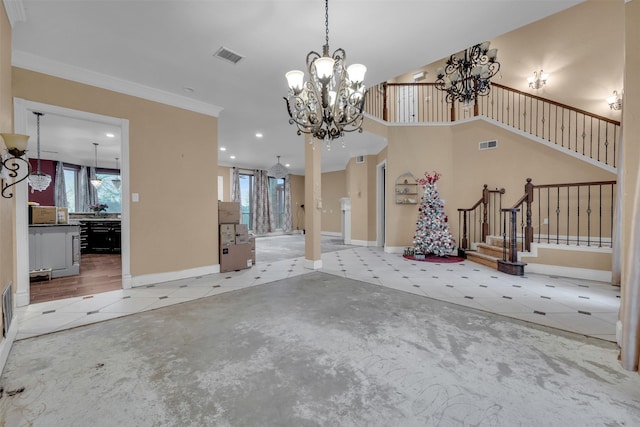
(22, 111)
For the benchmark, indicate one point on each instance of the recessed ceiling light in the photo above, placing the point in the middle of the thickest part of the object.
(258, 135)
(223, 148)
(232, 157)
(110, 135)
(188, 89)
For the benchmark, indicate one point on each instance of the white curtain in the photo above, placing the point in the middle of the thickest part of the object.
(235, 185)
(263, 220)
(60, 189)
(287, 223)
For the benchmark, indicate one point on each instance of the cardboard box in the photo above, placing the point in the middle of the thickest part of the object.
(43, 215)
(241, 234)
(235, 257)
(228, 212)
(227, 234)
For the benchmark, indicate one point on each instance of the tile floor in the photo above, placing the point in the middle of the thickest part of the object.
(581, 306)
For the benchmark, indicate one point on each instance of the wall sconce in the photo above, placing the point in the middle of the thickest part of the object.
(615, 101)
(16, 146)
(538, 80)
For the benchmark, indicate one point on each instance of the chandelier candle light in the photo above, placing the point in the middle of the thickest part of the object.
(468, 74)
(38, 180)
(330, 103)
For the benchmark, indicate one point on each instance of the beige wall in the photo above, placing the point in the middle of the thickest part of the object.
(7, 221)
(333, 189)
(171, 152)
(225, 173)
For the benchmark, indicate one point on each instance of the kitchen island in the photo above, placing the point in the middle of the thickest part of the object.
(54, 249)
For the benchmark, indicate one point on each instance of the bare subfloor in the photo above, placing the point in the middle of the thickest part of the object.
(312, 350)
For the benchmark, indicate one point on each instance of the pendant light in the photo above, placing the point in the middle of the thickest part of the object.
(95, 181)
(38, 180)
(117, 181)
(278, 171)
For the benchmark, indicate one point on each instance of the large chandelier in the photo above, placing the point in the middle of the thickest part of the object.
(38, 180)
(330, 103)
(468, 73)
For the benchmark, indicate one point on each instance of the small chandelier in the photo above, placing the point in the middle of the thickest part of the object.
(330, 103)
(537, 81)
(117, 182)
(615, 101)
(38, 180)
(278, 171)
(468, 73)
(95, 181)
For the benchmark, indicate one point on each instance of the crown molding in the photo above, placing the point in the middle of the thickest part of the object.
(15, 11)
(43, 65)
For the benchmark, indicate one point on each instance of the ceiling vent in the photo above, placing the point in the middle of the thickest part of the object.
(228, 55)
(488, 145)
(359, 159)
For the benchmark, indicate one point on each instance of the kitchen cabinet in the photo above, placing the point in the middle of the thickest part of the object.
(101, 236)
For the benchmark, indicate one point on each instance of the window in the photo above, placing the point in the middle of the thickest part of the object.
(276, 193)
(108, 193)
(246, 209)
(71, 184)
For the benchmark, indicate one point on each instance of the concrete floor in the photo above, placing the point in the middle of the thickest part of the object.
(287, 246)
(316, 350)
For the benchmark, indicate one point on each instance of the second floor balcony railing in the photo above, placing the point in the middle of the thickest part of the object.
(573, 129)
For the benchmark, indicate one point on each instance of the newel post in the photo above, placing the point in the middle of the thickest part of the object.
(528, 231)
(485, 207)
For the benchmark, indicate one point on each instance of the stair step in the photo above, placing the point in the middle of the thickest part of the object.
(484, 259)
(497, 241)
(494, 251)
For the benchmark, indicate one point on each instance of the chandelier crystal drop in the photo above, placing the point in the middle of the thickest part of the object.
(37, 180)
(278, 171)
(468, 74)
(330, 103)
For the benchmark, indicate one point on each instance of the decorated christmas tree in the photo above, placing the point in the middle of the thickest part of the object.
(432, 229)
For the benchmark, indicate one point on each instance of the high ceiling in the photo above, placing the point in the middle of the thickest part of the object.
(163, 50)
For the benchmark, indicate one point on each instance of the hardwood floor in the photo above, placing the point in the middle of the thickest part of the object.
(98, 273)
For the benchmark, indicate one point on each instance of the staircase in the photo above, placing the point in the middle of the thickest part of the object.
(491, 254)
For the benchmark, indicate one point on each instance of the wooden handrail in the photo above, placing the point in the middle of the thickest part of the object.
(558, 104)
(575, 184)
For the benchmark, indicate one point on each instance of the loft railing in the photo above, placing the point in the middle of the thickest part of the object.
(588, 134)
(480, 220)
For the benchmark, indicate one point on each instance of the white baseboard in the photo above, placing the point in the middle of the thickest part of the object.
(331, 233)
(22, 299)
(395, 249)
(573, 272)
(364, 242)
(5, 345)
(313, 264)
(150, 279)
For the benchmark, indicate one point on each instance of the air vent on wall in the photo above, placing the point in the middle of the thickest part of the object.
(488, 145)
(359, 159)
(228, 55)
